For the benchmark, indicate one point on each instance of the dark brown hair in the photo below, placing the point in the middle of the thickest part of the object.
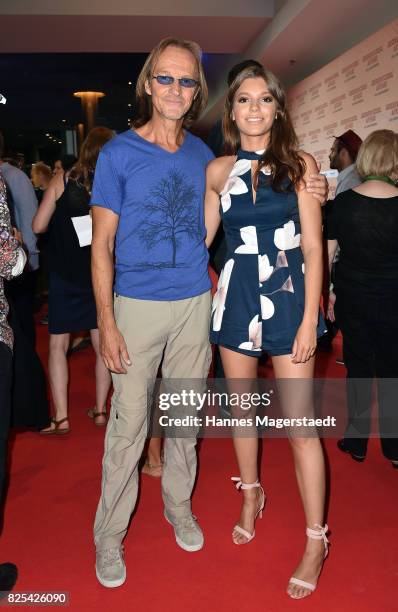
(281, 156)
(83, 171)
(144, 101)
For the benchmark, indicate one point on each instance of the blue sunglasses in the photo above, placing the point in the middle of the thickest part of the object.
(164, 79)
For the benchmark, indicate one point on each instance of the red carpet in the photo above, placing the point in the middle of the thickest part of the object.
(54, 488)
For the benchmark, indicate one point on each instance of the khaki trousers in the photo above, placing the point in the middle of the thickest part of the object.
(178, 332)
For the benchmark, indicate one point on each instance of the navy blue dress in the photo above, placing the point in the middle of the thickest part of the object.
(259, 303)
(71, 304)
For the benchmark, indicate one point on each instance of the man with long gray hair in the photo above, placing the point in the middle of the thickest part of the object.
(148, 197)
(147, 200)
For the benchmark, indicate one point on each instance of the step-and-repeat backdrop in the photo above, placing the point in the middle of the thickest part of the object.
(358, 91)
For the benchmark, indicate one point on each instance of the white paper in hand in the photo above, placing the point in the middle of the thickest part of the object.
(84, 229)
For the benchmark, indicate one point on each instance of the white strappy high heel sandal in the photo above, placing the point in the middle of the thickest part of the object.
(315, 534)
(255, 485)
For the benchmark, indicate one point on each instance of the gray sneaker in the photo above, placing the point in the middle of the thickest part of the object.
(110, 568)
(188, 534)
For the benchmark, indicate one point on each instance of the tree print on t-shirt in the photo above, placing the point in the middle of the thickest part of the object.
(172, 216)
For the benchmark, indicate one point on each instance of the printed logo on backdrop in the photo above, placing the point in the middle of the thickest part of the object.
(330, 128)
(337, 103)
(358, 91)
(370, 117)
(350, 72)
(314, 91)
(306, 117)
(371, 60)
(392, 109)
(320, 111)
(301, 99)
(357, 94)
(393, 45)
(314, 135)
(349, 122)
(330, 82)
(381, 83)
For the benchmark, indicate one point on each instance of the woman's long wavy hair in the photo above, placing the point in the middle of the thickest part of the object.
(144, 107)
(83, 171)
(281, 156)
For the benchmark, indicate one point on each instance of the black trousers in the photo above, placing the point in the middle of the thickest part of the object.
(5, 407)
(369, 327)
(21, 291)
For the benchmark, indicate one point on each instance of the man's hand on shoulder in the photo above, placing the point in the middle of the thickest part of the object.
(316, 183)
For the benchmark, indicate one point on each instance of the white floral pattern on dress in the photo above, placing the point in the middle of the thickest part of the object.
(234, 185)
(255, 336)
(281, 260)
(218, 305)
(287, 285)
(267, 307)
(249, 237)
(285, 237)
(265, 270)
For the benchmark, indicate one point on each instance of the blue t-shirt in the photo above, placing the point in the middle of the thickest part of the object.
(158, 195)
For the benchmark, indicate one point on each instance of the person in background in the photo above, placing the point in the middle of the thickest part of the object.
(364, 225)
(12, 262)
(23, 204)
(71, 299)
(64, 164)
(20, 157)
(41, 176)
(342, 157)
(58, 167)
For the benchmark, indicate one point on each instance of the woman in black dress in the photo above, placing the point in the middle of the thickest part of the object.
(364, 224)
(71, 300)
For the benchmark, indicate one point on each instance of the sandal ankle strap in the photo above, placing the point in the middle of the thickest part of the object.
(242, 485)
(319, 533)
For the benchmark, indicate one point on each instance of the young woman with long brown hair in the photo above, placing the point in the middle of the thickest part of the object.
(71, 305)
(264, 301)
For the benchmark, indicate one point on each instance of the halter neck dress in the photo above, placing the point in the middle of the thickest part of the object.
(259, 303)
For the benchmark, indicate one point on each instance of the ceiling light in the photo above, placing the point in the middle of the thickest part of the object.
(128, 104)
(86, 95)
(63, 120)
(130, 83)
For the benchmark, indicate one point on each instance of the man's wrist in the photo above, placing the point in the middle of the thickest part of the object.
(106, 319)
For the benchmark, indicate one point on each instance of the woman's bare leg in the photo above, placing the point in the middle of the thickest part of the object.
(310, 469)
(238, 366)
(102, 378)
(153, 463)
(59, 376)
